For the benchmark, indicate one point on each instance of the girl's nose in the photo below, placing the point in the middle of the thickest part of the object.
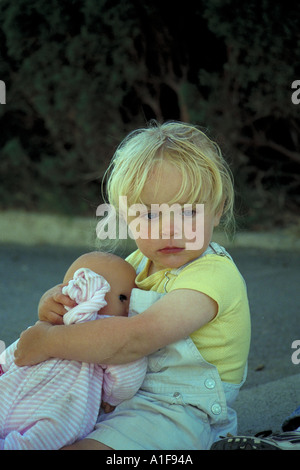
(171, 226)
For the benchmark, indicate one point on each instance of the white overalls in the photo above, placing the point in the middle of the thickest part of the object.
(182, 403)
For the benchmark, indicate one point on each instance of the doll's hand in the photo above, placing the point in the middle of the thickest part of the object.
(31, 348)
(52, 305)
(107, 407)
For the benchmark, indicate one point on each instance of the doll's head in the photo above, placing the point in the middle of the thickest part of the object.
(119, 274)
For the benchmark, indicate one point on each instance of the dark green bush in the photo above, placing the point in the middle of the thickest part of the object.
(81, 74)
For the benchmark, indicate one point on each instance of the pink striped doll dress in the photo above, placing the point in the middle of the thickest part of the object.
(57, 402)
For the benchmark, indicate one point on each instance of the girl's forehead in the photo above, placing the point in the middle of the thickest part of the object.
(163, 185)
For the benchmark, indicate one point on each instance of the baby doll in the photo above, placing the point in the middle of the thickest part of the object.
(57, 402)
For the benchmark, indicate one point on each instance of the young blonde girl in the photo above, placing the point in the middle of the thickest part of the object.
(191, 310)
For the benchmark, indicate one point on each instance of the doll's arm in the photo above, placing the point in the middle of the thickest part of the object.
(122, 382)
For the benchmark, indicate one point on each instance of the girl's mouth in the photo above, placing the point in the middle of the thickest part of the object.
(171, 250)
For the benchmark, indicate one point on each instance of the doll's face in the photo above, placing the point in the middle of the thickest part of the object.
(121, 277)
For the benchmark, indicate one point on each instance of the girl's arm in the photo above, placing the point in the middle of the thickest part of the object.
(119, 340)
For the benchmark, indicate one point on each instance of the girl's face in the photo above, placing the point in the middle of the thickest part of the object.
(170, 248)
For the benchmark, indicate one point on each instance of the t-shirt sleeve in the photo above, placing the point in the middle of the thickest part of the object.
(134, 258)
(214, 276)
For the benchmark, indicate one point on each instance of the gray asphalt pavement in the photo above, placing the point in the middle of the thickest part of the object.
(272, 389)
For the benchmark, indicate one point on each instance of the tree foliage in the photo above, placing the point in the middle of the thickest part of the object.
(81, 74)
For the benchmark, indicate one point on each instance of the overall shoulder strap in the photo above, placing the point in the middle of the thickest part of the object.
(141, 265)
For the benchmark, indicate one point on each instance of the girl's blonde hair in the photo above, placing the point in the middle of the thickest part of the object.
(206, 177)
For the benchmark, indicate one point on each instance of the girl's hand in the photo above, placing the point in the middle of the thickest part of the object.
(31, 346)
(52, 305)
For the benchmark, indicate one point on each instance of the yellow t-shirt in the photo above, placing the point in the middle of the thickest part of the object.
(224, 341)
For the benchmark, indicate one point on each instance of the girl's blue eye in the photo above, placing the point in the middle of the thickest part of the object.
(189, 212)
(157, 215)
(151, 215)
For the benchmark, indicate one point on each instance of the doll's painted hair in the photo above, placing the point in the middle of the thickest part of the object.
(205, 174)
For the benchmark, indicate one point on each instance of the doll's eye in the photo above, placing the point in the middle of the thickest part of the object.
(122, 297)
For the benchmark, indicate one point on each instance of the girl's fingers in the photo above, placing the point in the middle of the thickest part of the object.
(64, 300)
